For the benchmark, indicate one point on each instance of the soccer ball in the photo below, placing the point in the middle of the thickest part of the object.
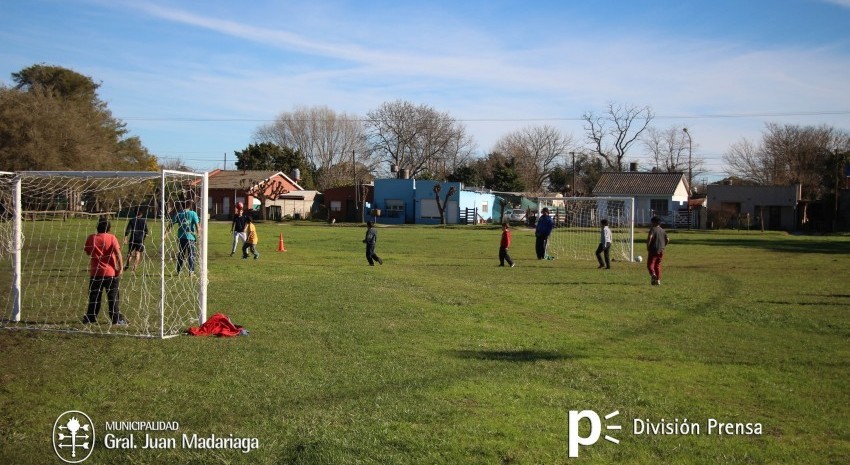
(240, 205)
(639, 259)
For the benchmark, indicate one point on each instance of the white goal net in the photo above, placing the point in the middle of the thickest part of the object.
(45, 220)
(577, 226)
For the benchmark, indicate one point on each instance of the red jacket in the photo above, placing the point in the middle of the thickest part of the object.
(216, 325)
(506, 240)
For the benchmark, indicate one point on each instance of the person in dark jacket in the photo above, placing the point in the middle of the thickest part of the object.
(136, 231)
(656, 242)
(543, 230)
(371, 239)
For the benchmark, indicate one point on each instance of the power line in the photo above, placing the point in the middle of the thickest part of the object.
(510, 120)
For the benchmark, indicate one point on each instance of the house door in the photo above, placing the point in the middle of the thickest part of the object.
(774, 217)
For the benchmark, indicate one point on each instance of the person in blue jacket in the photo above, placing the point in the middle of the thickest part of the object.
(543, 230)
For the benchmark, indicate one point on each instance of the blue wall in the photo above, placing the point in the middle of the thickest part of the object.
(395, 189)
(417, 197)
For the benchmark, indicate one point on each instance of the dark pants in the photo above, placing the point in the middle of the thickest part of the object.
(187, 249)
(504, 257)
(540, 245)
(606, 248)
(247, 246)
(653, 264)
(97, 284)
(371, 256)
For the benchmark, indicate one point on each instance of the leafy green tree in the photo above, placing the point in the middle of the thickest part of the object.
(52, 119)
(560, 180)
(468, 175)
(506, 179)
(272, 157)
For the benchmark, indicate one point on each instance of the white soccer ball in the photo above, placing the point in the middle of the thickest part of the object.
(639, 259)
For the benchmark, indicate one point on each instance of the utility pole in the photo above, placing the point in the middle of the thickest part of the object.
(690, 173)
(356, 187)
(574, 173)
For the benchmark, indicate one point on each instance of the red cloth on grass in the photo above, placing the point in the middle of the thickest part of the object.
(216, 325)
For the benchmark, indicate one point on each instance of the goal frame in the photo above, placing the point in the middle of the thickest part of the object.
(19, 306)
(628, 201)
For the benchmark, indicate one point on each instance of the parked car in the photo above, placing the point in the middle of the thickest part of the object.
(516, 214)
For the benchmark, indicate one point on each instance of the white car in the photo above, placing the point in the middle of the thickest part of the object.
(515, 214)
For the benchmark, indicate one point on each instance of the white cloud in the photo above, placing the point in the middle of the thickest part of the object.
(476, 76)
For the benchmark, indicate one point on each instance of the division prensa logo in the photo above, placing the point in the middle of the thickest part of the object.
(575, 437)
(73, 436)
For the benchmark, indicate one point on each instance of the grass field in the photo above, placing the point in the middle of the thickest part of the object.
(441, 357)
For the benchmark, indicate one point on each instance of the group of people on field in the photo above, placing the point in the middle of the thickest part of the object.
(656, 242)
(106, 263)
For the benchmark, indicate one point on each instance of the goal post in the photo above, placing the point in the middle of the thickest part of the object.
(577, 226)
(45, 219)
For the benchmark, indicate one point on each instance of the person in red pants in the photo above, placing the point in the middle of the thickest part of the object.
(656, 241)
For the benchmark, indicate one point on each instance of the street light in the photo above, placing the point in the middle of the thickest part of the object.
(690, 174)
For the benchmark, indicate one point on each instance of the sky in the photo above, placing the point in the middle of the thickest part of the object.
(195, 79)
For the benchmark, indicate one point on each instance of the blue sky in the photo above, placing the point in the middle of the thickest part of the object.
(195, 79)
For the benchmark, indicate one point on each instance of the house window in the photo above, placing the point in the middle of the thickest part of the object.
(394, 205)
(484, 207)
(733, 208)
(658, 205)
(336, 205)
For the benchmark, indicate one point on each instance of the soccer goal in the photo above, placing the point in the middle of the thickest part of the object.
(45, 218)
(577, 225)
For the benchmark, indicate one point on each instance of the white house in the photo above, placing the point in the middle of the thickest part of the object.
(656, 194)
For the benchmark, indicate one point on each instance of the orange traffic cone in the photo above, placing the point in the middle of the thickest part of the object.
(280, 246)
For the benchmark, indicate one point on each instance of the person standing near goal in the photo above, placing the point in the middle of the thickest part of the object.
(238, 227)
(542, 232)
(187, 233)
(656, 241)
(137, 231)
(604, 246)
(504, 245)
(104, 273)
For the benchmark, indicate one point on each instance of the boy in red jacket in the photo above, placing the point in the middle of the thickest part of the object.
(503, 247)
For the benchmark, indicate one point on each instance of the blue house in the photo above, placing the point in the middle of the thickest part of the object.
(411, 201)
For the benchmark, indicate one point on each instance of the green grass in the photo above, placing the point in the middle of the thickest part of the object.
(441, 357)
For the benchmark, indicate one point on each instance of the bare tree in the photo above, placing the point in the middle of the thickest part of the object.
(669, 151)
(327, 140)
(418, 138)
(748, 161)
(175, 164)
(441, 205)
(790, 154)
(263, 190)
(614, 132)
(535, 150)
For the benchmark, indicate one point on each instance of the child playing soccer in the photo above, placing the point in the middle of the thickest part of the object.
(251, 239)
(504, 245)
(656, 241)
(604, 246)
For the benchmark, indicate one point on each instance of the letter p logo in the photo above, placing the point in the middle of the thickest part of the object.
(575, 439)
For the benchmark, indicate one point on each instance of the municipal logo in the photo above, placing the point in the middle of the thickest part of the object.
(73, 436)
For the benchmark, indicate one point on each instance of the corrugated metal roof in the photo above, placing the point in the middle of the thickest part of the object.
(635, 183)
